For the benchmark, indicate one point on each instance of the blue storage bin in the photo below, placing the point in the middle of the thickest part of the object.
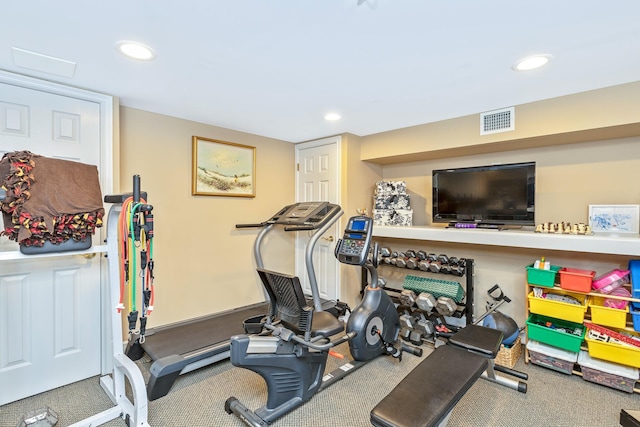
(634, 266)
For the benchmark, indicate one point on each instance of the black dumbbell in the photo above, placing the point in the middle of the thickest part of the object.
(421, 255)
(407, 297)
(443, 259)
(458, 270)
(431, 257)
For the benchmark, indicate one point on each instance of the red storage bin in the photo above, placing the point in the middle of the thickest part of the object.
(573, 279)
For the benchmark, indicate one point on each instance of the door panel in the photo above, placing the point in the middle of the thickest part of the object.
(318, 180)
(50, 308)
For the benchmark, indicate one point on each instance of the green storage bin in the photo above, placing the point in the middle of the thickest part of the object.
(540, 277)
(435, 287)
(555, 337)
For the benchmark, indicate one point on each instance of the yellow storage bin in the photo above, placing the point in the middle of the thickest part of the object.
(607, 316)
(558, 309)
(618, 353)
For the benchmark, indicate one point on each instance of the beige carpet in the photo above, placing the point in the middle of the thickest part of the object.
(197, 399)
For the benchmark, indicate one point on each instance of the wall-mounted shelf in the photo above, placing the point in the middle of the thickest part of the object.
(598, 243)
(19, 256)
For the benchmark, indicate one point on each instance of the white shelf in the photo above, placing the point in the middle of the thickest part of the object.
(17, 255)
(598, 243)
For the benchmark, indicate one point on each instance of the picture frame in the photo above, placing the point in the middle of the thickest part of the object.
(221, 168)
(614, 218)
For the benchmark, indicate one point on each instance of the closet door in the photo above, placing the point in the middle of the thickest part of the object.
(50, 307)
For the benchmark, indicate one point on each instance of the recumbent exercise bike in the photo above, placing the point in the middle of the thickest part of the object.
(291, 354)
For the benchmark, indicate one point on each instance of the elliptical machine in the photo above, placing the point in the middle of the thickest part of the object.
(292, 357)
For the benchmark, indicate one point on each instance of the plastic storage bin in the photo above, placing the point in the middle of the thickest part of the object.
(607, 316)
(635, 315)
(565, 335)
(541, 277)
(634, 267)
(606, 373)
(551, 357)
(618, 353)
(611, 281)
(573, 279)
(557, 309)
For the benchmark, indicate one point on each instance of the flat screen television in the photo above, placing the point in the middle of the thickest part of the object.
(502, 194)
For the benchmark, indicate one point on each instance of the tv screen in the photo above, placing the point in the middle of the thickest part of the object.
(496, 194)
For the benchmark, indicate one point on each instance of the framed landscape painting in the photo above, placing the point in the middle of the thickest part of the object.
(223, 168)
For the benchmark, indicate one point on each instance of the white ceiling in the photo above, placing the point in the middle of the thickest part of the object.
(275, 67)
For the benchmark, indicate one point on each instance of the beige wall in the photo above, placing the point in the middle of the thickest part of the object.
(357, 180)
(589, 116)
(587, 151)
(569, 177)
(203, 264)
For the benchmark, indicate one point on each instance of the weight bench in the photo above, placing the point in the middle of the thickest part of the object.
(428, 394)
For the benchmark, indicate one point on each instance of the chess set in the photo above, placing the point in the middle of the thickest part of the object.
(564, 228)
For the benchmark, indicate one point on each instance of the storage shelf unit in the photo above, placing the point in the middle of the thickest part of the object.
(629, 326)
(625, 245)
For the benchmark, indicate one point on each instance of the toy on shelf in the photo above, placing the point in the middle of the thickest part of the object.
(564, 228)
(542, 264)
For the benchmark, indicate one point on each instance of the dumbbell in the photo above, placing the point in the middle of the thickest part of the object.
(399, 260)
(443, 259)
(424, 265)
(414, 263)
(415, 258)
(391, 259)
(446, 306)
(407, 321)
(426, 302)
(424, 326)
(385, 252)
(407, 297)
(458, 270)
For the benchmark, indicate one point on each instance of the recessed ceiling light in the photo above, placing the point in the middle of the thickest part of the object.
(531, 62)
(135, 50)
(332, 117)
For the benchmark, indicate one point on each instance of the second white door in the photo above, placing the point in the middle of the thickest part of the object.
(318, 179)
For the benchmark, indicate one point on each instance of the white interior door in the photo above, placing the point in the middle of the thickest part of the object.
(50, 308)
(318, 179)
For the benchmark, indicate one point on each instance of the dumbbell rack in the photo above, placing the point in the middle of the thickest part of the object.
(466, 277)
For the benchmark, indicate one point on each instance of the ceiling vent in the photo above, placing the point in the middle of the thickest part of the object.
(497, 121)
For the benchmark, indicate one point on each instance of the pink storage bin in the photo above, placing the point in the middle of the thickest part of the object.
(611, 281)
(618, 303)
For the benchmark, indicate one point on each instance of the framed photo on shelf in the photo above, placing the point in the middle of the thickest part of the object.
(222, 168)
(614, 218)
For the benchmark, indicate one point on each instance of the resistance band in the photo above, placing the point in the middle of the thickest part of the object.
(135, 235)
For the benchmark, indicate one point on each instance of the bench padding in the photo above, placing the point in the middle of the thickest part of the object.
(429, 392)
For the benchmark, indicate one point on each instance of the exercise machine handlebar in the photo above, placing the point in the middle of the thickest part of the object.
(288, 335)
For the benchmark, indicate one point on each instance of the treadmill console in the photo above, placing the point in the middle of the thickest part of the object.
(308, 214)
(353, 248)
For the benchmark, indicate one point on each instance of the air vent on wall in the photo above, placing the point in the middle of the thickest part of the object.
(497, 121)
